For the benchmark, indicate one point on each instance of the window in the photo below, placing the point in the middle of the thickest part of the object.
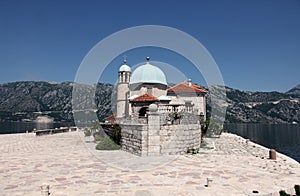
(149, 90)
(143, 112)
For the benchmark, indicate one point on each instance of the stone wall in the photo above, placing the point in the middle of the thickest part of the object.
(143, 140)
(185, 118)
(157, 136)
(177, 139)
(134, 138)
(188, 118)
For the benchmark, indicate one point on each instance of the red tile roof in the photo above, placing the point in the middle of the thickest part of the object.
(111, 117)
(184, 87)
(144, 98)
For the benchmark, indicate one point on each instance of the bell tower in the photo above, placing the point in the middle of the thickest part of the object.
(124, 75)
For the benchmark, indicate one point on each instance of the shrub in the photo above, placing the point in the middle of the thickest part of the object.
(97, 126)
(188, 151)
(297, 190)
(283, 193)
(98, 136)
(203, 144)
(107, 144)
(87, 132)
(192, 151)
(116, 134)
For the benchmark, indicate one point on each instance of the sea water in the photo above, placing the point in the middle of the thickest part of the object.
(22, 127)
(284, 138)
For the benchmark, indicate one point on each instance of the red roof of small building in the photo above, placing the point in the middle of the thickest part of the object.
(184, 87)
(111, 117)
(144, 98)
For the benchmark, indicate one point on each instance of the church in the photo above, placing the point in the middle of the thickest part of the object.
(157, 119)
(147, 84)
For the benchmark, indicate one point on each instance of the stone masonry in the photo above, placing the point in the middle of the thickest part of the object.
(156, 138)
(134, 138)
(177, 139)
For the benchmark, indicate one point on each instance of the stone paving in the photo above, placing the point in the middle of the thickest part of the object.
(69, 163)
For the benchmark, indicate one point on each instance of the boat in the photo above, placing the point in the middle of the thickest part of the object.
(44, 119)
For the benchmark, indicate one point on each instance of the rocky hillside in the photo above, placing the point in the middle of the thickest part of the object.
(263, 107)
(294, 91)
(27, 100)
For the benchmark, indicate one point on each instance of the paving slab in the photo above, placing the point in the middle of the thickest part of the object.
(69, 163)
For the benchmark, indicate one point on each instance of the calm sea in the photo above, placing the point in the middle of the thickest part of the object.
(22, 127)
(285, 138)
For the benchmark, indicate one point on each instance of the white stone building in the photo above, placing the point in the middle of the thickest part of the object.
(147, 85)
(155, 119)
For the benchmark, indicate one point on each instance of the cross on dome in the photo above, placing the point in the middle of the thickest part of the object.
(124, 67)
(125, 58)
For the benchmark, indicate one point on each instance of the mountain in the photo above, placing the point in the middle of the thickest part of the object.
(294, 91)
(262, 107)
(28, 100)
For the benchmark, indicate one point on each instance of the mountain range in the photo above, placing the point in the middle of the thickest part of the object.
(263, 107)
(24, 101)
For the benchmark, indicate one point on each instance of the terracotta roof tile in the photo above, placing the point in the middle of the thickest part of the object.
(144, 97)
(184, 87)
(111, 117)
(196, 86)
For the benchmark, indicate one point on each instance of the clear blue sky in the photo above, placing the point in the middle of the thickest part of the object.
(256, 43)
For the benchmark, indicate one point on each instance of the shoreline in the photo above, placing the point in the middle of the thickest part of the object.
(278, 154)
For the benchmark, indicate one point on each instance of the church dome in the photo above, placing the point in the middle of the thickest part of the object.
(148, 73)
(125, 67)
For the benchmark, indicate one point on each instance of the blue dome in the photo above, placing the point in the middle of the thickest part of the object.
(148, 73)
(125, 68)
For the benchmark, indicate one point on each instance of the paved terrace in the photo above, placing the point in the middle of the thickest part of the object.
(71, 166)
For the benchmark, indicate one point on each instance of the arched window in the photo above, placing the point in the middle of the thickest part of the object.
(143, 112)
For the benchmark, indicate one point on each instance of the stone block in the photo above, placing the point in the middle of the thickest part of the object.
(153, 149)
(170, 145)
(144, 153)
(153, 132)
(153, 140)
(143, 132)
(152, 154)
(135, 132)
(163, 131)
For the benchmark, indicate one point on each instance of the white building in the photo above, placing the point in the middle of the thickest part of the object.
(147, 85)
(155, 119)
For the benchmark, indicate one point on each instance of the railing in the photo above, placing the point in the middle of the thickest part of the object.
(165, 111)
(172, 108)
